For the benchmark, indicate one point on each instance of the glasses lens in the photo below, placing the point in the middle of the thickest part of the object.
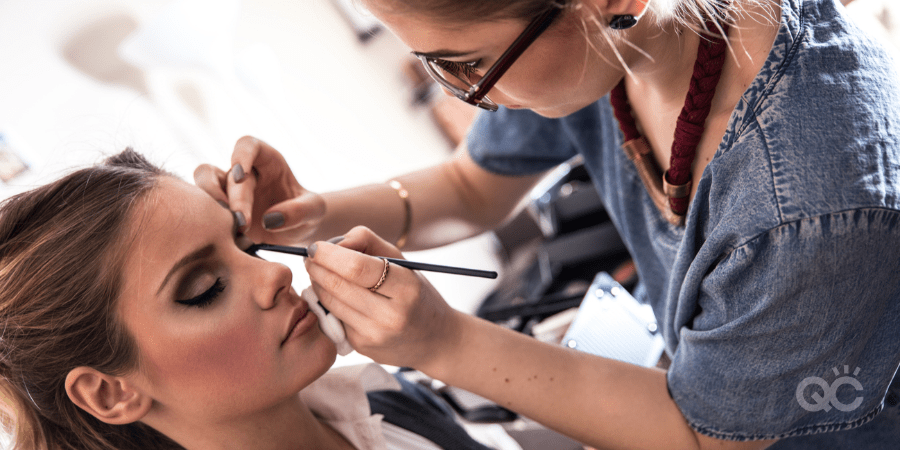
(458, 78)
(449, 74)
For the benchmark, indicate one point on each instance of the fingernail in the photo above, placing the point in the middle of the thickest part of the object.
(273, 220)
(238, 173)
(336, 239)
(311, 250)
(240, 220)
(243, 242)
(223, 204)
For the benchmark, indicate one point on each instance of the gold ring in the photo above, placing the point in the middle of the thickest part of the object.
(384, 273)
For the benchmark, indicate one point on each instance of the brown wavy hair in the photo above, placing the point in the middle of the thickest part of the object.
(58, 288)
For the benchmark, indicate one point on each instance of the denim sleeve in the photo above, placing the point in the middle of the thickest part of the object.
(797, 330)
(518, 142)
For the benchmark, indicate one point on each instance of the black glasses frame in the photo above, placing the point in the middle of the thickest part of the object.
(477, 94)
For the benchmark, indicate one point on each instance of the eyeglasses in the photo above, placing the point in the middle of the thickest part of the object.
(458, 82)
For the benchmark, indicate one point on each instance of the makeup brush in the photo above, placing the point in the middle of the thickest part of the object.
(301, 251)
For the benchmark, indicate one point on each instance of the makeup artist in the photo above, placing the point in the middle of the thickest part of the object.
(748, 153)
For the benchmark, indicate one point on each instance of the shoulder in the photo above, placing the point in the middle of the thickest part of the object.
(819, 129)
(521, 142)
(791, 303)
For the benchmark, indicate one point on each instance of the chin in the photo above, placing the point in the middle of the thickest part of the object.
(315, 363)
(321, 355)
(553, 113)
(557, 111)
(332, 353)
(328, 350)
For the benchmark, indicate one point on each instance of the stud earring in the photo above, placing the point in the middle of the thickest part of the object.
(623, 22)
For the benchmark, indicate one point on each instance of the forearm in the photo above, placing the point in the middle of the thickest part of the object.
(598, 401)
(380, 208)
(448, 202)
(376, 206)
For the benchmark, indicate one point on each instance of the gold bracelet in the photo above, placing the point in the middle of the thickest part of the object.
(407, 223)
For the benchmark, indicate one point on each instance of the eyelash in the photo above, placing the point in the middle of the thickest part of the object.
(459, 68)
(205, 299)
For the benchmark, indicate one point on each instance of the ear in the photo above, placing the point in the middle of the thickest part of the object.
(110, 399)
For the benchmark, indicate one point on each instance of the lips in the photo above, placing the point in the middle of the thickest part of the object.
(297, 315)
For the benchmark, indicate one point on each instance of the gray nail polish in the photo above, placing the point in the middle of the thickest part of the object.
(273, 220)
(311, 250)
(243, 242)
(336, 239)
(240, 220)
(238, 173)
(223, 204)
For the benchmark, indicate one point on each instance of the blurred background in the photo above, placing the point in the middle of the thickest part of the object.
(182, 80)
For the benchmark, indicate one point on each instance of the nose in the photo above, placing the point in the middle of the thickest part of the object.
(275, 282)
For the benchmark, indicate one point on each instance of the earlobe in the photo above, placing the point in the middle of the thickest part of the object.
(634, 8)
(625, 13)
(110, 399)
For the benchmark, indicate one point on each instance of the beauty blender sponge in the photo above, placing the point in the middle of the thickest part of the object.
(330, 325)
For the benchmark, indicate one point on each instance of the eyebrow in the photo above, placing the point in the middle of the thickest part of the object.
(437, 54)
(201, 253)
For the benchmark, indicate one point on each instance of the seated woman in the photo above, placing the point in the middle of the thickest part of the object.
(130, 318)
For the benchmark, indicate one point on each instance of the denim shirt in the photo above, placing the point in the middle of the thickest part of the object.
(779, 298)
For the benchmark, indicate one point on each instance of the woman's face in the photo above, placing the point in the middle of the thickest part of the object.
(558, 74)
(217, 329)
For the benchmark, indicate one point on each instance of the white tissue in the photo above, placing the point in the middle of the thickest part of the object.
(330, 325)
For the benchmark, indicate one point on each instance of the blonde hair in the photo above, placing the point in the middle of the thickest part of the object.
(686, 12)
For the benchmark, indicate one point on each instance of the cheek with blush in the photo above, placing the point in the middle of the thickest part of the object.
(222, 358)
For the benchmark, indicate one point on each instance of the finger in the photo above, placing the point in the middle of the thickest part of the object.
(240, 199)
(244, 157)
(253, 155)
(212, 180)
(340, 309)
(346, 300)
(368, 318)
(364, 240)
(294, 212)
(359, 270)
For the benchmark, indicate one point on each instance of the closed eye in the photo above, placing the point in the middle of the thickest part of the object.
(207, 297)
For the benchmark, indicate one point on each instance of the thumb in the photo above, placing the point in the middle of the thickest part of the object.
(364, 240)
(304, 209)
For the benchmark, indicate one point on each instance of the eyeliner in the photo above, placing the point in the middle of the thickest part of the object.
(301, 251)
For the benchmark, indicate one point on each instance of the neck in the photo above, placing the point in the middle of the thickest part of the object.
(657, 96)
(663, 78)
(288, 426)
(659, 85)
(665, 74)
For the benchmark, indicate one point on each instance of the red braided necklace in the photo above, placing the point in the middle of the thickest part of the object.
(671, 191)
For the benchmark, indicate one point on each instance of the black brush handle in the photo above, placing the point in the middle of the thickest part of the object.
(301, 251)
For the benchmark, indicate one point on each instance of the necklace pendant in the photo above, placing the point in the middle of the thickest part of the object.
(638, 151)
(678, 195)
